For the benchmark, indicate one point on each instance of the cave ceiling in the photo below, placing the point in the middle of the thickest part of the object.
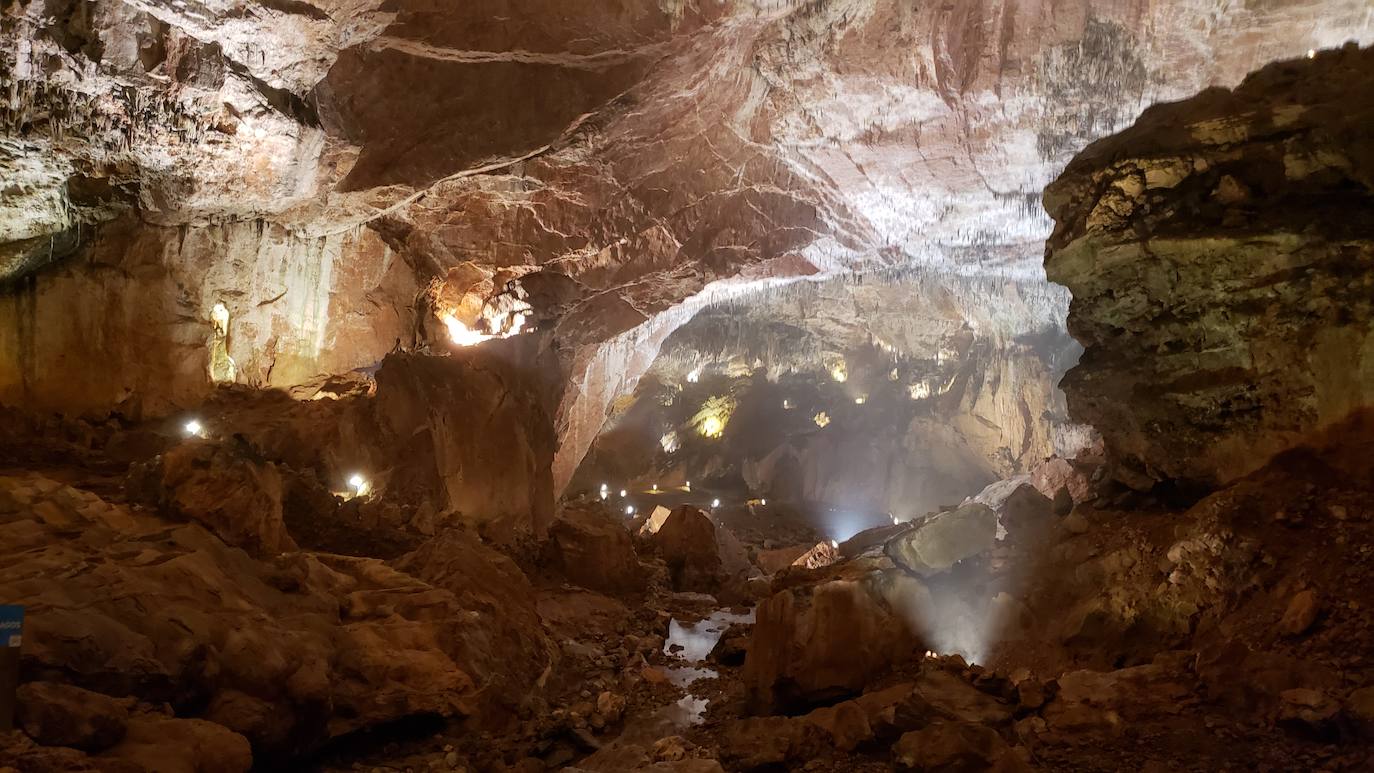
(314, 165)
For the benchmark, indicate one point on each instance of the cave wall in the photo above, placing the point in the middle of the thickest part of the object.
(127, 324)
(1220, 258)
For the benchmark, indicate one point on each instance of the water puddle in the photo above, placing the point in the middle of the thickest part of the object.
(695, 640)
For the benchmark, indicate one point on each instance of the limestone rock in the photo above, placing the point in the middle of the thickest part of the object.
(234, 496)
(944, 539)
(846, 723)
(590, 547)
(182, 746)
(687, 542)
(297, 651)
(62, 715)
(1300, 614)
(957, 747)
(1182, 376)
(824, 641)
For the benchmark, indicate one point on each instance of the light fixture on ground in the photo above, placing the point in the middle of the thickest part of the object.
(860, 400)
(629, 509)
(654, 488)
(688, 485)
(623, 493)
(715, 503)
(763, 502)
(358, 483)
(192, 428)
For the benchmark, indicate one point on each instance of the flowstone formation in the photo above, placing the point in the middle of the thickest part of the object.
(1220, 260)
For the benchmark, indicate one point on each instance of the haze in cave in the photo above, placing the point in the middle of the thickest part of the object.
(690, 386)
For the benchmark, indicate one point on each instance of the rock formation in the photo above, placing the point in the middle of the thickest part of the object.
(1220, 272)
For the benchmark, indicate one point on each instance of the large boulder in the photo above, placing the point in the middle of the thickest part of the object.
(956, 747)
(501, 642)
(589, 546)
(812, 644)
(944, 539)
(1222, 291)
(165, 745)
(687, 542)
(56, 714)
(235, 496)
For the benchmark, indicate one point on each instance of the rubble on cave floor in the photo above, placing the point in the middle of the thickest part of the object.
(1127, 629)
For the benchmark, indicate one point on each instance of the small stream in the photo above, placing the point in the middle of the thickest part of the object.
(696, 639)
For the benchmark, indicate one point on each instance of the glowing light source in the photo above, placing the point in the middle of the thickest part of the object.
(358, 483)
(1311, 53)
(712, 427)
(688, 485)
(694, 375)
(834, 544)
(715, 413)
(462, 335)
(654, 487)
(786, 404)
(629, 509)
(623, 492)
(822, 419)
(860, 400)
(193, 428)
(670, 442)
(763, 502)
(605, 494)
(715, 503)
(840, 371)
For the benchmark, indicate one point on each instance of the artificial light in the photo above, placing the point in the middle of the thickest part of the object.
(358, 483)
(623, 492)
(715, 503)
(193, 428)
(629, 509)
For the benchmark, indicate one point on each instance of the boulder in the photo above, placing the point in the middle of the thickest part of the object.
(167, 745)
(62, 715)
(688, 545)
(940, 696)
(944, 539)
(955, 747)
(501, 642)
(777, 559)
(816, 643)
(732, 646)
(1359, 708)
(767, 743)
(589, 546)
(846, 723)
(1300, 614)
(237, 497)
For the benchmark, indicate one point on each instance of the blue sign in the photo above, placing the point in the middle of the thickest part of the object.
(11, 625)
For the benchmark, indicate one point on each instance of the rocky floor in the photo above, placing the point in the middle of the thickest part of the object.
(177, 622)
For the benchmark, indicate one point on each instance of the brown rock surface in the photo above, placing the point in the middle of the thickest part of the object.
(1219, 328)
(236, 497)
(62, 715)
(687, 542)
(590, 546)
(291, 652)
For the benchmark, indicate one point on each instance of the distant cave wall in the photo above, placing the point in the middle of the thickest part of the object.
(127, 323)
(1220, 253)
